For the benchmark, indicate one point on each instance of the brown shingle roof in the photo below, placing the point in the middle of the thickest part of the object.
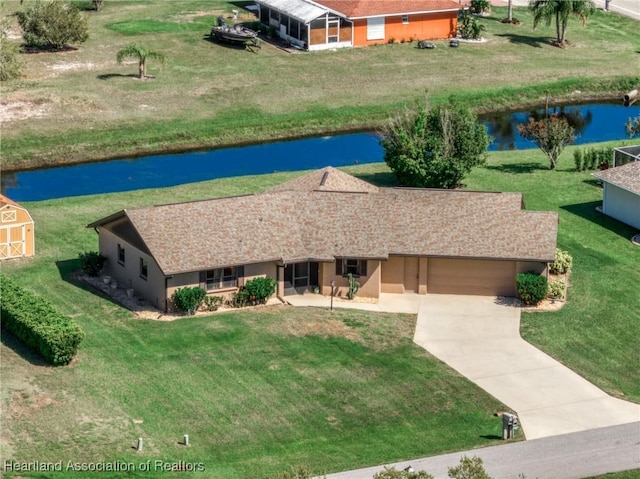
(372, 8)
(326, 179)
(295, 221)
(626, 176)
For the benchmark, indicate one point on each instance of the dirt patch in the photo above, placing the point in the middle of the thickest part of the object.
(323, 328)
(22, 110)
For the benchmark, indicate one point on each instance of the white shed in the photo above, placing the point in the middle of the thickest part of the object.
(621, 199)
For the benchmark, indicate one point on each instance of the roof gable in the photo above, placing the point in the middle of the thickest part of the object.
(626, 176)
(326, 179)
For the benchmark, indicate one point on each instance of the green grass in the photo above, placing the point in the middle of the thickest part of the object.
(633, 474)
(85, 106)
(258, 391)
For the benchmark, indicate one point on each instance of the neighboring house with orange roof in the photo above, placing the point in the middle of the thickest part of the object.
(319, 227)
(324, 24)
(621, 197)
(16, 230)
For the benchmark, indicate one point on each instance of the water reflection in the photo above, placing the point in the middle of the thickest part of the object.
(593, 123)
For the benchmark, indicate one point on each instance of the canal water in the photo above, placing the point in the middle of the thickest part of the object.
(593, 123)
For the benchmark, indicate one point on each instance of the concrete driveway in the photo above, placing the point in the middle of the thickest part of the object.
(480, 338)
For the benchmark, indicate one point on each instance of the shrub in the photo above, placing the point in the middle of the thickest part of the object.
(212, 303)
(92, 262)
(188, 300)
(468, 26)
(393, 473)
(469, 468)
(532, 287)
(239, 299)
(562, 263)
(10, 62)
(259, 289)
(479, 6)
(52, 24)
(37, 324)
(556, 289)
(298, 472)
(578, 159)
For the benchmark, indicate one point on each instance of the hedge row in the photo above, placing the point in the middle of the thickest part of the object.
(36, 323)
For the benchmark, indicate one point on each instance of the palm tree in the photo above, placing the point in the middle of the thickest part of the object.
(560, 11)
(142, 55)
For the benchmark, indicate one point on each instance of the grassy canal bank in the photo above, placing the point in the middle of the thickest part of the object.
(80, 105)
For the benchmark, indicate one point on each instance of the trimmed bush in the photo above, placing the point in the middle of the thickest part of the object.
(578, 159)
(239, 299)
(212, 303)
(532, 287)
(38, 324)
(92, 262)
(556, 289)
(562, 263)
(188, 300)
(259, 289)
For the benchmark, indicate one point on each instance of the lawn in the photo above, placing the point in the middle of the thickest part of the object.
(80, 104)
(260, 390)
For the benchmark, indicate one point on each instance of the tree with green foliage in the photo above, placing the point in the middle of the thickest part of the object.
(97, 4)
(141, 54)
(551, 134)
(469, 468)
(560, 11)
(10, 61)
(54, 24)
(434, 147)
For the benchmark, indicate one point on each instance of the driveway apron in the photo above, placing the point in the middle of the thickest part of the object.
(480, 338)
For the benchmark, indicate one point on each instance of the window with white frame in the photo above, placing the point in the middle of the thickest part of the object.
(405, 19)
(221, 278)
(375, 28)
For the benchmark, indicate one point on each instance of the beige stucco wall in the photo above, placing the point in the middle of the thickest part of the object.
(535, 266)
(192, 279)
(369, 285)
(128, 275)
(399, 271)
(392, 275)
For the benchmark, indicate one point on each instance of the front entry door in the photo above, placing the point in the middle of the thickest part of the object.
(299, 276)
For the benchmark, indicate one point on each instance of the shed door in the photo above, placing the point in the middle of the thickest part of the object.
(12, 242)
(375, 28)
(475, 277)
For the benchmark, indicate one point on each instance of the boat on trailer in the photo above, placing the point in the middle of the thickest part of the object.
(236, 33)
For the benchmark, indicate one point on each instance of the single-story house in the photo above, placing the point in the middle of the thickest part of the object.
(16, 230)
(320, 227)
(621, 197)
(325, 24)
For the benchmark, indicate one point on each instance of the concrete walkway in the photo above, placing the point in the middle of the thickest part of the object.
(480, 338)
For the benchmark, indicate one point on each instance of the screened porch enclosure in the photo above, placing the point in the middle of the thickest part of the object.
(299, 277)
(306, 27)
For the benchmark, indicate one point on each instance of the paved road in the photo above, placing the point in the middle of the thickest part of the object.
(571, 456)
(629, 8)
